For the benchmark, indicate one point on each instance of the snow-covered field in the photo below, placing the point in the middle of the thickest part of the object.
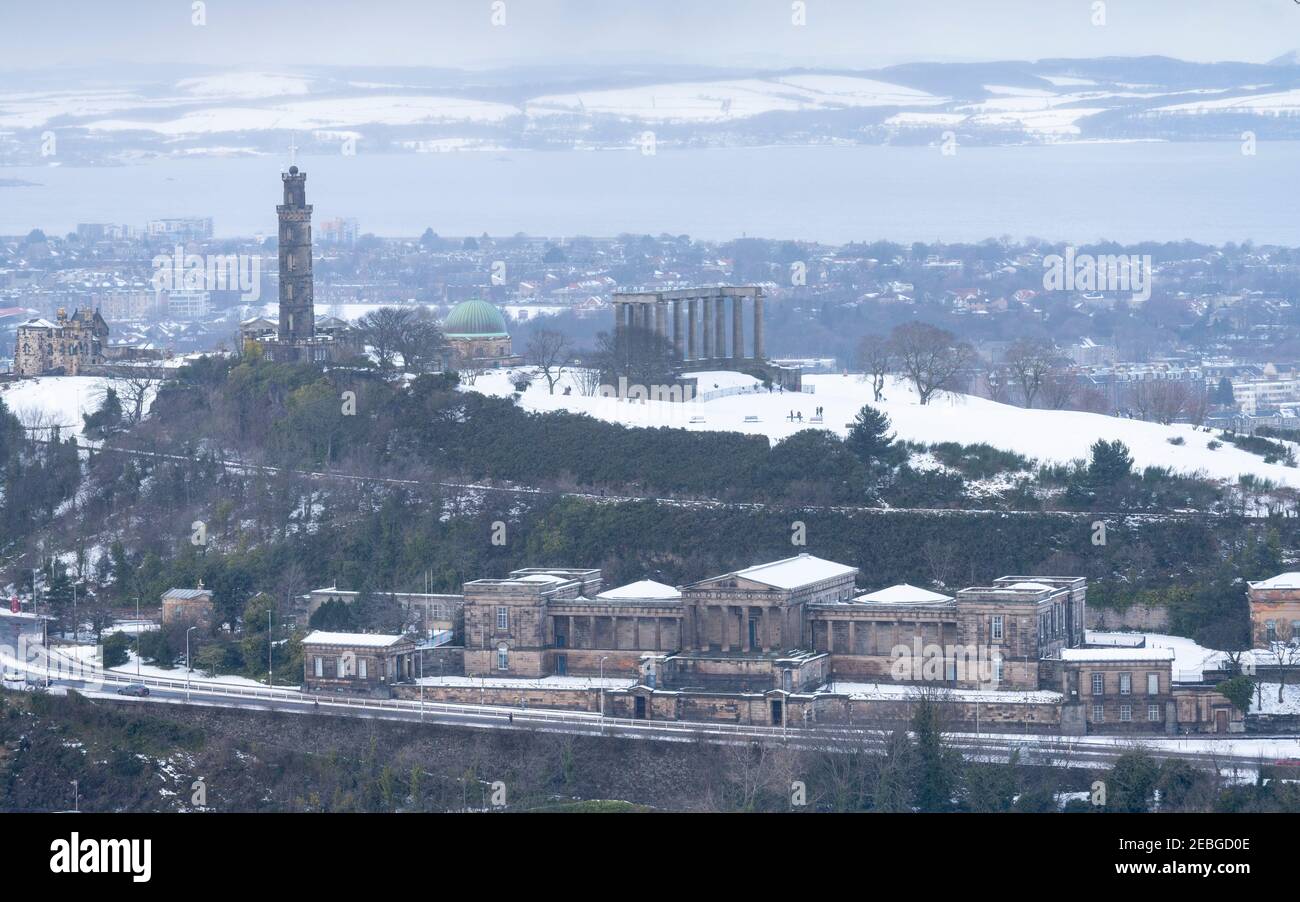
(54, 400)
(1043, 435)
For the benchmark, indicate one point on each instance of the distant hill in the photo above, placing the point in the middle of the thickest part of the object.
(172, 110)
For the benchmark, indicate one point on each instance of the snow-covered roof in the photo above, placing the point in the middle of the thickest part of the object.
(795, 572)
(1030, 586)
(1289, 580)
(368, 640)
(38, 323)
(540, 578)
(903, 593)
(645, 589)
(1113, 655)
(187, 594)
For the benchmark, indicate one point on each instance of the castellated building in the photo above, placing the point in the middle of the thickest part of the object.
(64, 347)
(297, 337)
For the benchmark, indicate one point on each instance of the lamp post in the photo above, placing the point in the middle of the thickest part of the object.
(602, 693)
(270, 674)
(137, 637)
(76, 796)
(421, 660)
(188, 669)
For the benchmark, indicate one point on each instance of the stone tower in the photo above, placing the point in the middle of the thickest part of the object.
(297, 312)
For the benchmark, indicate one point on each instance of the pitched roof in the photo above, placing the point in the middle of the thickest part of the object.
(644, 590)
(1281, 581)
(903, 593)
(368, 640)
(796, 572)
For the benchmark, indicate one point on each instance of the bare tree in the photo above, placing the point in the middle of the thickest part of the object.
(1160, 400)
(1030, 364)
(135, 385)
(588, 380)
(931, 358)
(549, 351)
(420, 342)
(385, 330)
(875, 356)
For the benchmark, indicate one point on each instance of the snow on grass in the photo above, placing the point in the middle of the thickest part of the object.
(1264, 701)
(1190, 659)
(55, 400)
(1047, 436)
(245, 85)
(307, 115)
(714, 101)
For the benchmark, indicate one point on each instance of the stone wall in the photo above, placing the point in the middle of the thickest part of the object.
(1135, 617)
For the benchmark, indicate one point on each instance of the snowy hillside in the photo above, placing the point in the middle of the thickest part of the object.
(56, 400)
(1045, 435)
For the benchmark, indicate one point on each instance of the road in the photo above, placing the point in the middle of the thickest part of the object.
(1228, 755)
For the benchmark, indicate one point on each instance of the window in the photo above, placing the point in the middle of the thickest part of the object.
(997, 627)
(320, 666)
(362, 669)
(1153, 713)
(1098, 684)
(997, 670)
(503, 618)
(1270, 630)
(1125, 712)
(1153, 684)
(1098, 714)
(1126, 684)
(342, 667)
(503, 658)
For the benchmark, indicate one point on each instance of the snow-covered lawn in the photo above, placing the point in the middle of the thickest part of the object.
(1190, 660)
(54, 400)
(1264, 701)
(1042, 435)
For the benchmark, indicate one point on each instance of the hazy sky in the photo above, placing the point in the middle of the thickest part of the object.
(460, 33)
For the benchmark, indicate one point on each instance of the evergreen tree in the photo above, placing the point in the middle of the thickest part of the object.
(935, 768)
(1131, 784)
(1111, 463)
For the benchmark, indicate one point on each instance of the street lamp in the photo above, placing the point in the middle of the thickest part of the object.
(188, 669)
(137, 637)
(602, 693)
(76, 796)
(270, 674)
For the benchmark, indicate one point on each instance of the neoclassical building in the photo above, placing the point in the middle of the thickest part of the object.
(785, 624)
(477, 336)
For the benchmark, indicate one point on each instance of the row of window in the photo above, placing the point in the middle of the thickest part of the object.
(341, 669)
(1125, 684)
(1154, 713)
(1270, 630)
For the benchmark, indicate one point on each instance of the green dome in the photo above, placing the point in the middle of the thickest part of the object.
(475, 319)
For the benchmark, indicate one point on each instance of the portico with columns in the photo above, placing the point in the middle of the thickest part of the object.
(698, 321)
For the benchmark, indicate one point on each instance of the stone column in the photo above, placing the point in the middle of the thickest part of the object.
(737, 327)
(619, 307)
(692, 333)
(720, 327)
(679, 339)
(661, 327)
(591, 632)
(765, 629)
(744, 629)
(722, 624)
(707, 351)
(758, 326)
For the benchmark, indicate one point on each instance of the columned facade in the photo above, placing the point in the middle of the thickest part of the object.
(703, 336)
